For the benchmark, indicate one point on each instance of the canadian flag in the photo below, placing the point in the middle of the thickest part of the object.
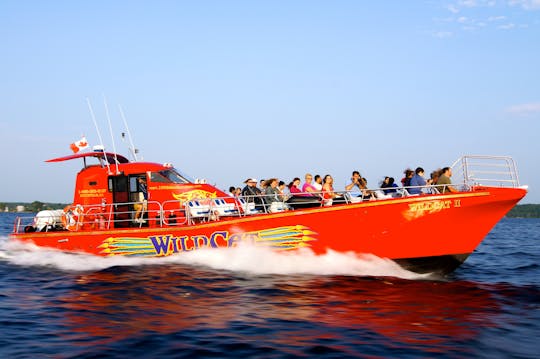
(79, 145)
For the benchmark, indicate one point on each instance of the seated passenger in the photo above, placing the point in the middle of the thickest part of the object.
(435, 176)
(294, 186)
(317, 183)
(388, 185)
(281, 188)
(391, 186)
(368, 194)
(355, 185)
(263, 185)
(328, 193)
(406, 181)
(308, 189)
(444, 182)
(251, 188)
(418, 181)
(272, 191)
(252, 194)
(297, 200)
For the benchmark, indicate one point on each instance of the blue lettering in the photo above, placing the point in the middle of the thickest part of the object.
(174, 243)
(161, 244)
(183, 241)
(200, 241)
(234, 239)
(216, 236)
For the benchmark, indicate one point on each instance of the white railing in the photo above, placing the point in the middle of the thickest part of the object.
(177, 213)
(499, 171)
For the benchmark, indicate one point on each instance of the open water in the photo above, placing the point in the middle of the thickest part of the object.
(247, 302)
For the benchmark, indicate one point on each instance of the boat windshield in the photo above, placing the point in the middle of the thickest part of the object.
(169, 176)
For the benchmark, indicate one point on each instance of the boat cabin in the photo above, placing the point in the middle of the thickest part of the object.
(114, 190)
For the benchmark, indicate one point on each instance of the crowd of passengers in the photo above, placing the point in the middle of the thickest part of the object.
(317, 188)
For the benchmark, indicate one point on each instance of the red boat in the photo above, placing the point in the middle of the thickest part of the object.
(431, 232)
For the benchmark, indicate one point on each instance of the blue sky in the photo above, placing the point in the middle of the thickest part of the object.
(226, 90)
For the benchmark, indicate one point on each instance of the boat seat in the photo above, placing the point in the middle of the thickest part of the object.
(380, 195)
(223, 208)
(278, 207)
(402, 192)
(247, 207)
(355, 199)
(300, 202)
(198, 210)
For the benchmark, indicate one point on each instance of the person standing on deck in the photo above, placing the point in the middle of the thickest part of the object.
(143, 201)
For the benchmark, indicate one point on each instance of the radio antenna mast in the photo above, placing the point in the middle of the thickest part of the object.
(110, 131)
(98, 133)
(132, 148)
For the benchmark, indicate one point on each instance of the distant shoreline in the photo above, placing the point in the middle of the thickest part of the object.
(29, 207)
(525, 211)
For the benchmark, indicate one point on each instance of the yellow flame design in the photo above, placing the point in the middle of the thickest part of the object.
(194, 194)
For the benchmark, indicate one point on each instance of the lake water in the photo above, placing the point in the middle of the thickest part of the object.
(247, 302)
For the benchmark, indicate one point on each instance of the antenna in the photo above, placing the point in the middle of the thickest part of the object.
(110, 131)
(98, 133)
(132, 148)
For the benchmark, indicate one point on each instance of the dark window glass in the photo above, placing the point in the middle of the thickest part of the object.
(168, 176)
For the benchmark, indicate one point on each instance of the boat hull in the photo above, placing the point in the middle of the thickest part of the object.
(428, 233)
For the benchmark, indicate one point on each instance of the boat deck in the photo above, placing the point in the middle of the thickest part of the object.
(474, 171)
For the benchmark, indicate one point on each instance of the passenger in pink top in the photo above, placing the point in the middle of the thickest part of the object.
(308, 188)
(294, 186)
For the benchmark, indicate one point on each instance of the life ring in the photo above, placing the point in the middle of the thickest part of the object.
(73, 217)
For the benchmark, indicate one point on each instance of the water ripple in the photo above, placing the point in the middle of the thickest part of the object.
(66, 306)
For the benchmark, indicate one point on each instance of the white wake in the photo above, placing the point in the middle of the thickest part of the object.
(247, 259)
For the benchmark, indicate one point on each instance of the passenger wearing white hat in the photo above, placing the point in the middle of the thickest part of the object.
(253, 194)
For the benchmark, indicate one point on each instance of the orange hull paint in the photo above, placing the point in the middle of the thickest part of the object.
(404, 228)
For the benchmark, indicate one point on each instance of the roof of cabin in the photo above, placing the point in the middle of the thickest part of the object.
(112, 158)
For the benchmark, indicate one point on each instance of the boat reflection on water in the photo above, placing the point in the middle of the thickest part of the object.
(123, 303)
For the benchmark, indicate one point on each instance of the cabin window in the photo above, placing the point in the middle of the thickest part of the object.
(133, 184)
(168, 176)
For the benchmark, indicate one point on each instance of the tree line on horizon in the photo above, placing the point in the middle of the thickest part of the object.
(525, 211)
(35, 206)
